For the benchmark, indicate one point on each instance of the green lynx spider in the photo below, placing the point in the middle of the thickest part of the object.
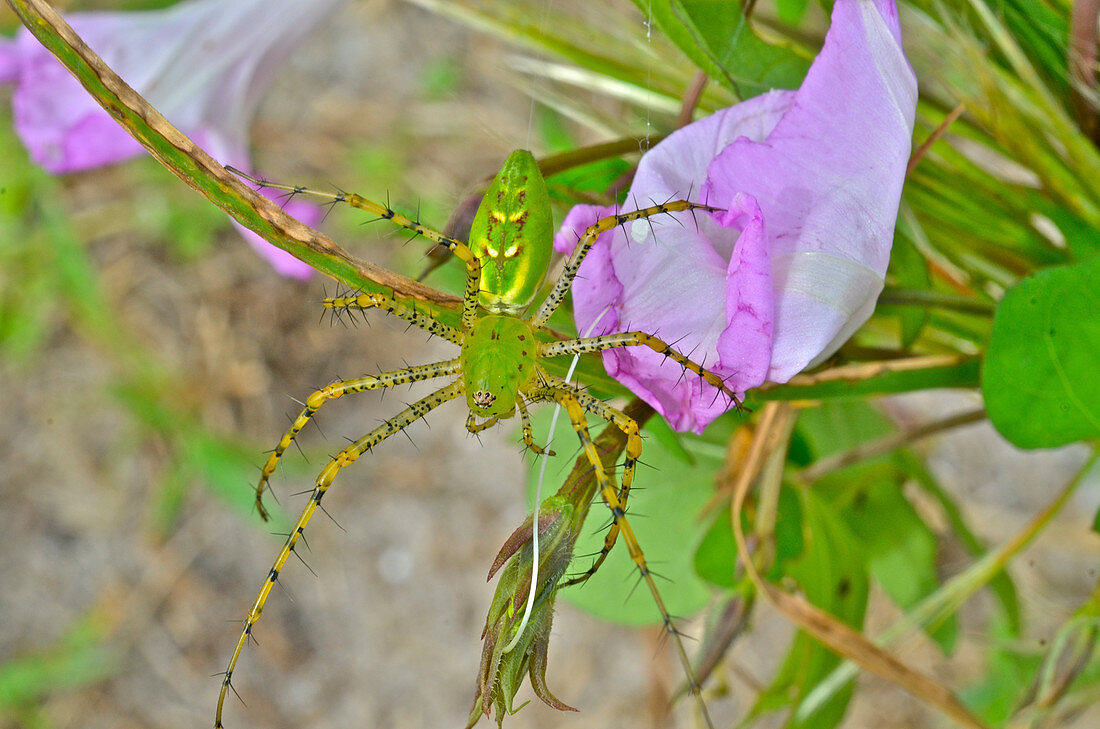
(498, 368)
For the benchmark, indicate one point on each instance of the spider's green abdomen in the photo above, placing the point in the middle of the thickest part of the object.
(498, 358)
(512, 235)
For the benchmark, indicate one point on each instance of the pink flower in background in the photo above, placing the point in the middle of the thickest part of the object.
(204, 64)
(811, 181)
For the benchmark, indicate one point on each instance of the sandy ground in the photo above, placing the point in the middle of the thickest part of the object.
(387, 634)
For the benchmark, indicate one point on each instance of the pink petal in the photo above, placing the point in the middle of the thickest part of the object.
(64, 129)
(729, 335)
(574, 225)
(698, 285)
(202, 63)
(810, 181)
(9, 61)
(225, 152)
(283, 262)
(743, 347)
(829, 179)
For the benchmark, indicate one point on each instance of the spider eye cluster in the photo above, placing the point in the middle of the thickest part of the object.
(484, 398)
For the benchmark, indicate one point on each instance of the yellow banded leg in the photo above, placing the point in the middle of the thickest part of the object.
(455, 246)
(591, 233)
(365, 301)
(528, 433)
(636, 339)
(528, 437)
(618, 516)
(338, 390)
(345, 457)
(632, 453)
(475, 427)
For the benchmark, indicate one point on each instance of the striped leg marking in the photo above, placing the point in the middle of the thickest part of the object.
(632, 453)
(636, 339)
(576, 414)
(364, 301)
(338, 390)
(455, 246)
(594, 231)
(345, 457)
(528, 433)
(475, 427)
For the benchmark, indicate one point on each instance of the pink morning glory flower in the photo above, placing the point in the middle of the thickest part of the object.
(810, 180)
(204, 64)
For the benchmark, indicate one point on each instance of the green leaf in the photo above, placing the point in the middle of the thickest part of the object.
(716, 558)
(1009, 669)
(1080, 235)
(1040, 378)
(830, 572)
(838, 426)
(716, 37)
(669, 439)
(791, 11)
(900, 550)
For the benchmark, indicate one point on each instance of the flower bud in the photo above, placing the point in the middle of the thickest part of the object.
(502, 671)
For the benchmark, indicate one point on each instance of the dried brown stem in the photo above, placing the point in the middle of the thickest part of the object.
(833, 633)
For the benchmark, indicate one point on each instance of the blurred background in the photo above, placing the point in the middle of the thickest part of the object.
(148, 359)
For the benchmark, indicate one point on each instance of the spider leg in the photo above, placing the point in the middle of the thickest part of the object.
(345, 457)
(576, 411)
(528, 437)
(594, 231)
(636, 339)
(475, 427)
(632, 453)
(364, 301)
(339, 389)
(528, 434)
(385, 212)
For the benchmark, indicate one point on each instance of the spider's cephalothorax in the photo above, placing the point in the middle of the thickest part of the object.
(498, 368)
(498, 362)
